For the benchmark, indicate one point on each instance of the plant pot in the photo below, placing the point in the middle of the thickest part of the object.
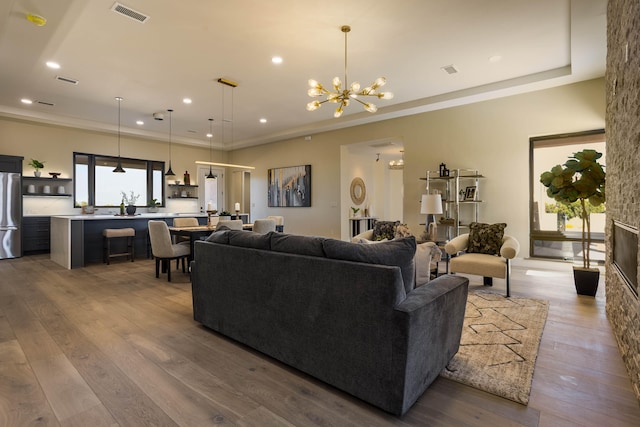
(131, 209)
(586, 280)
(152, 209)
(36, 174)
(225, 217)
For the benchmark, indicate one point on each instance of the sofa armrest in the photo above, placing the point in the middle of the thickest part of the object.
(433, 316)
(367, 235)
(457, 244)
(510, 247)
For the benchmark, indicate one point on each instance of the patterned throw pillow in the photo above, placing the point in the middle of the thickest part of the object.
(384, 230)
(402, 230)
(485, 238)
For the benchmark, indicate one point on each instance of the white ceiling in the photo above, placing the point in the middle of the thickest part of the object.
(186, 46)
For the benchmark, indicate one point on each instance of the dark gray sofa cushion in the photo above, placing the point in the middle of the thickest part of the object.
(249, 239)
(219, 236)
(399, 252)
(294, 244)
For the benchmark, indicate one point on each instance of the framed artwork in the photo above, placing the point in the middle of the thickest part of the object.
(470, 193)
(289, 186)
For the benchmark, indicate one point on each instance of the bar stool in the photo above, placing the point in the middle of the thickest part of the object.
(114, 233)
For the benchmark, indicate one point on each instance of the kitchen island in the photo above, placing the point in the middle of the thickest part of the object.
(76, 240)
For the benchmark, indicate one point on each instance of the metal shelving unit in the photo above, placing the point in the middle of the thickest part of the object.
(460, 198)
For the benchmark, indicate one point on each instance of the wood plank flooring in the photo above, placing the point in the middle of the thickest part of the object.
(114, 346)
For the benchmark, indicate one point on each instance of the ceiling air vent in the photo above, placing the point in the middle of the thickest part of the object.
(129, 13)
(67, 80)
(450, 69)
(48, 104)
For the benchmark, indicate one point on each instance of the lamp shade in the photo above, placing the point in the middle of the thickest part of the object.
(431, 204)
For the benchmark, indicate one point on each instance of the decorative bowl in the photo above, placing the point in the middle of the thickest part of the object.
(54, 174)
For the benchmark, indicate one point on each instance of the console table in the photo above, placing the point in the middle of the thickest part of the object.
(361, 224)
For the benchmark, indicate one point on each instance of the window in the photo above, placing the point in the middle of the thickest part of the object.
(555, 231)
(97, 185)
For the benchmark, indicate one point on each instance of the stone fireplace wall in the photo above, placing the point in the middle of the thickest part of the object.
(623, 168)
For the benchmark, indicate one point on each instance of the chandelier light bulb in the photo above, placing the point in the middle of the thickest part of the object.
(385, 95)
(312, 106)
(370, 107)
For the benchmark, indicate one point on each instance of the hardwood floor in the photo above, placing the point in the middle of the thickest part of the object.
(114, 346)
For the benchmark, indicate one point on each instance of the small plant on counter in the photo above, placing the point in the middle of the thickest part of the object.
(154, 203)
(131, 199)
(355, 211)
(225, 213)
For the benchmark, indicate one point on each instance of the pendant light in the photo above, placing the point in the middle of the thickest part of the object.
(211, 175)
(169, 172)
(118, 168)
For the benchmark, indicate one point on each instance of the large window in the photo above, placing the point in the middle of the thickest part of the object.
(555, 230)
(97, 185)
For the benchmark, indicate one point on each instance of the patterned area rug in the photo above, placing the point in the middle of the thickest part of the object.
(499, 345)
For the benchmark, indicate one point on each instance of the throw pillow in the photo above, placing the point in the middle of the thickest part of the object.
(219, 236)
(402, 230)
(384, 230)
(485, 238)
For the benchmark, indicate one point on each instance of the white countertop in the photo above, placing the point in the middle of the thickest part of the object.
(127, 217)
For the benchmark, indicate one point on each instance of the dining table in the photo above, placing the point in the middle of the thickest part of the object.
(198, 232)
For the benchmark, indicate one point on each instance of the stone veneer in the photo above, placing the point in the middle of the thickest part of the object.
(623, 169)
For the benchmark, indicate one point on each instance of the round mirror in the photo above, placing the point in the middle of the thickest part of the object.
(358, 191)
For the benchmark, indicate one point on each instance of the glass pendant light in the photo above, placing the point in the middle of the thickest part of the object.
(169, 172)
(118, 168)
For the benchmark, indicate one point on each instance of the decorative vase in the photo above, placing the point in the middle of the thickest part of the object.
(225, 217)
(36, 174)
(131, 209)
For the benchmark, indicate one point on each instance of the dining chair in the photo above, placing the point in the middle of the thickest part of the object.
(163, 249)
(263, 226)
(232, 224)
(184, 222)
(279, 219)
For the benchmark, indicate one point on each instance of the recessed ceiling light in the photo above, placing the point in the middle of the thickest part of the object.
(495, 58)
(139, 122)
(276, 60)
(209, 135)
(263, 120)
(26, 101)
(54, 65)
(187, 100)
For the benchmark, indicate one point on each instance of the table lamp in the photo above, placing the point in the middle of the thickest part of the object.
(431, 204)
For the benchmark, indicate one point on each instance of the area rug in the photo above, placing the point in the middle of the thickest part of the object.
(499, 345)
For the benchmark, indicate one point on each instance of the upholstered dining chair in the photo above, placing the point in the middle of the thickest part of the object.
(263, 226)
(484, 251)
(232, 224)
(279, 219)
(163, 249)
(184, 222)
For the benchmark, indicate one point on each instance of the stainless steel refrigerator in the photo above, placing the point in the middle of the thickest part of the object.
(10, 215)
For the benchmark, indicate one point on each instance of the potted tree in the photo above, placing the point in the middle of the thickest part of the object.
(581, 179)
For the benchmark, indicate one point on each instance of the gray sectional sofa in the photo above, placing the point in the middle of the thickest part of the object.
(345, 313)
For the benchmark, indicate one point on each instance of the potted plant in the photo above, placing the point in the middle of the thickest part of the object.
(355, 212)
(581, 179)
(130, 201)
(37, 165)
(224, 215)
(153, 205)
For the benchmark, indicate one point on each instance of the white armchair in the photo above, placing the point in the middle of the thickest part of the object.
(480, 264)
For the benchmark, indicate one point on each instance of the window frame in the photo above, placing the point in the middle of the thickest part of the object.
(91, 164)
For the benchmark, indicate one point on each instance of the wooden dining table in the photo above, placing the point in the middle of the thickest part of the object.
(198, 232)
